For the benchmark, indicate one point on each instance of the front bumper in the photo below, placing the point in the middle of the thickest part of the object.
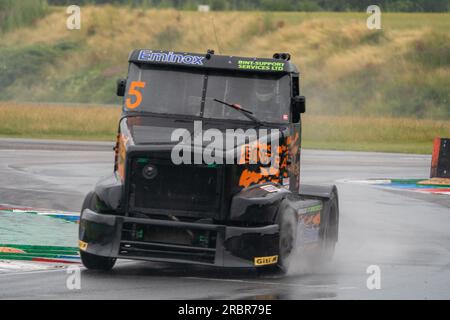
(108, 236)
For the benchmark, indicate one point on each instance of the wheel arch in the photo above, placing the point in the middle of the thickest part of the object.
(329, 195)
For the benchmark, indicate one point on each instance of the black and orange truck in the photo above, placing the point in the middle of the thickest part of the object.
(220, 206)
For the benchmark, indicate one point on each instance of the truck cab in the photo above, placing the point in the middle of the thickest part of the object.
(207, 168)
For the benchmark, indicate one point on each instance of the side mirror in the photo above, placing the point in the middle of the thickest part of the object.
(121, 85)
(298, 107)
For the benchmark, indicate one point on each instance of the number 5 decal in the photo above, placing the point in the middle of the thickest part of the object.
(133, 91)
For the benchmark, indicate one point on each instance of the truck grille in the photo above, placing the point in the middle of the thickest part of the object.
(165, 242)
(158, 184)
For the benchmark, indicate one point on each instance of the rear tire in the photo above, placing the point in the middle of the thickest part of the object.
(90, 260)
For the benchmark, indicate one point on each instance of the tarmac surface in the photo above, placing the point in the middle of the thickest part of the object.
(404, 234)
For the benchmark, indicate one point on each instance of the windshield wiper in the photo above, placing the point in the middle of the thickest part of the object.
(248, 114)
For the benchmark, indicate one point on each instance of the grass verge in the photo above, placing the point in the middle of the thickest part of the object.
(95, 122)
(402, 70)
(71, 122)
(383, 134)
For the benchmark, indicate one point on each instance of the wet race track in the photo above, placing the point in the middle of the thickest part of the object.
(405, 234)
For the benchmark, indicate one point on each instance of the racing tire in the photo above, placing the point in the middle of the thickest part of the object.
(90, 260)
(94, 262)
(287, 220)
(329, 230)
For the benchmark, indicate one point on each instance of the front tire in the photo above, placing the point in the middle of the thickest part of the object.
(94, 262)
(288, 238)
(329, 230)
(287, 220)
(90, 260)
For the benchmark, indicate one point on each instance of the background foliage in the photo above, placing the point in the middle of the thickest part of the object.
(281, 5)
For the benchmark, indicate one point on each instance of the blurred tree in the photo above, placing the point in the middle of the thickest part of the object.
(282, 5)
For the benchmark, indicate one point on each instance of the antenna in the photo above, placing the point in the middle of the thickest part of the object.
(215, 34)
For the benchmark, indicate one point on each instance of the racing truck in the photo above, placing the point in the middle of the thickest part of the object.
(183, 191)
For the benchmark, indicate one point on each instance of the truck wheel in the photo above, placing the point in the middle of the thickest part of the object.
(88, 202)
(94, 262)
(288, 223)
(329, 231)
(288, 238)
(90, 260)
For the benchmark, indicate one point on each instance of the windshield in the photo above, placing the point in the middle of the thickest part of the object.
(192, 92)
